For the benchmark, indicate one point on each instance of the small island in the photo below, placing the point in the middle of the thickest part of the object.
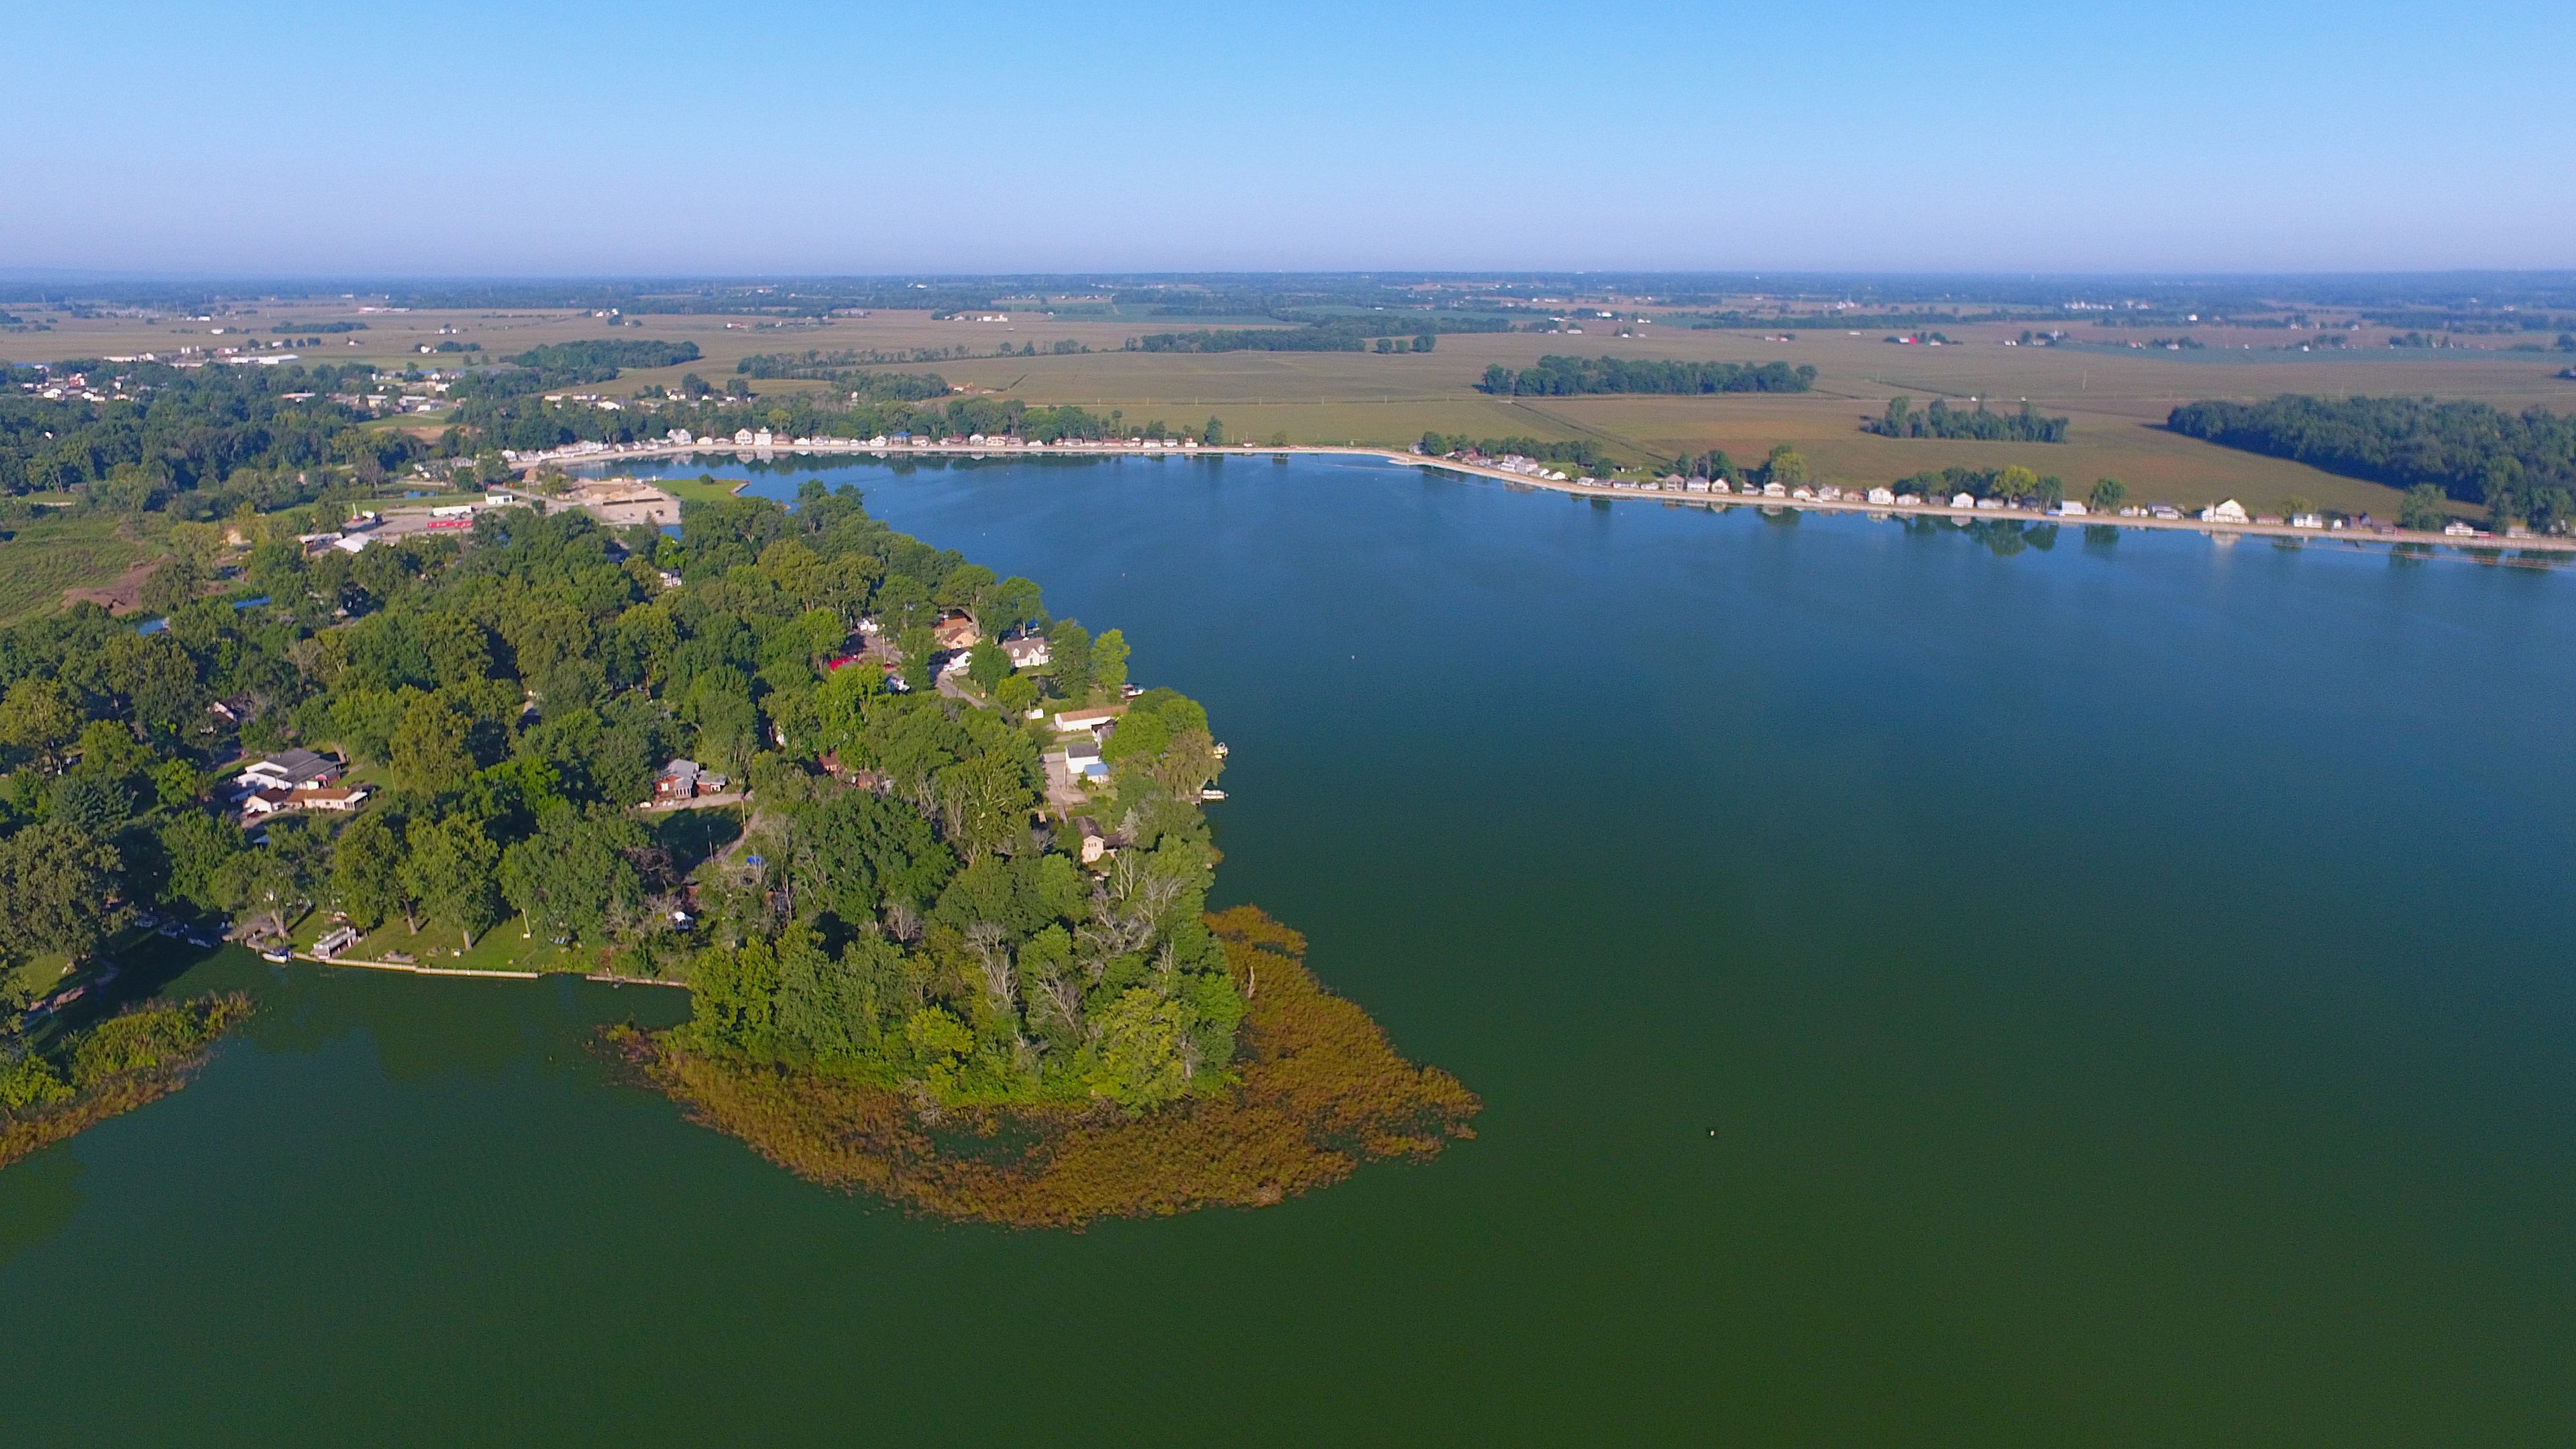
(933, 871)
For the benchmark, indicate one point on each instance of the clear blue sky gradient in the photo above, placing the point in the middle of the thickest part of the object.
(543, 138)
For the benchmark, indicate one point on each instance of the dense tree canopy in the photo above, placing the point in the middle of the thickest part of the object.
(1940, 420)
(1560, 376)
(2522, 466)
(901, 910)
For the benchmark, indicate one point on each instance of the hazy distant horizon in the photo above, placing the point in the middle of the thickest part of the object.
(796, 139)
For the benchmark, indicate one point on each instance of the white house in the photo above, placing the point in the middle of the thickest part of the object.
(1073, 721)
(1082, 760)
(1027, 651)
(1963, 500)
(2067, 509)
(2229, 511)
(2307, 520)
(1881, 496)
(291, 769)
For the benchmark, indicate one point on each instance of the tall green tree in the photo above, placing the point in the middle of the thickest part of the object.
(1109, 662)
(56, 885)
(366, 873)
(451, 867)
(429, 752)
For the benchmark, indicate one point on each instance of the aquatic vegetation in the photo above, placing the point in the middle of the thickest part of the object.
(1316, 1091)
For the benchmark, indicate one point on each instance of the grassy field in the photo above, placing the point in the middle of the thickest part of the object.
(2116, 394)
(45, 556)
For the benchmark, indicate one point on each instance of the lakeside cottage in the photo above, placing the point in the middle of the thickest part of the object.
(956, 630)
(2230, 511)
(1074, 721)
(1027, 651)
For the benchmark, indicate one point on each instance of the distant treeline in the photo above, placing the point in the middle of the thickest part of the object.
(846, 366)
(1348, 334)
(1864, 321)
(1558, 376)
(1941, 420)
(606, 354)
(2521, 466)
(303, 328)
(568, 364)
(1578, 452)
(841, 370)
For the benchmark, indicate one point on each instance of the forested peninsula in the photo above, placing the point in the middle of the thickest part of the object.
(949, 945)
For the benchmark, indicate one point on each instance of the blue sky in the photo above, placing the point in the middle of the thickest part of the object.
(744, 137)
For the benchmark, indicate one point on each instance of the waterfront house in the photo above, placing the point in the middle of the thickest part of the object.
(1963, 500)
(2307, 520)
(1027, 651)
(955, 630)
(1774, 490)
(1074, 721)
(2229, 511)
(1881, 496)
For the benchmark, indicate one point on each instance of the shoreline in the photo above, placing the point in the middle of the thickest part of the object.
(1718, 502)
(608, 978)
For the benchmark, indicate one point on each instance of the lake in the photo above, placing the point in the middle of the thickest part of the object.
(1926, 989)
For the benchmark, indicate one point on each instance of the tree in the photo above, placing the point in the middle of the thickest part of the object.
(2424, 508)
(196, 847)
(2107, 496)
(1069, 658)
(1786, 466)
(987, 665)
(276, 879)
(1109, 662)
(56, 882)
(1140, 1063)
(1424, 342)
(35, 720)
(1214, 433)
(573, 876)
(2016, 482)
(1015, 694)
(428, 752)
(449, 868)
(366, 873)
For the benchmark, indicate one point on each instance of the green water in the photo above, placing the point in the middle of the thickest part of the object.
(1922, 995)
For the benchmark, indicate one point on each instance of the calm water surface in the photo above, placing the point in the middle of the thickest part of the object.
(1922, 994)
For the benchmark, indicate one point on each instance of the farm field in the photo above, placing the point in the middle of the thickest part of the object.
(2117, 395)
(45, 556)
